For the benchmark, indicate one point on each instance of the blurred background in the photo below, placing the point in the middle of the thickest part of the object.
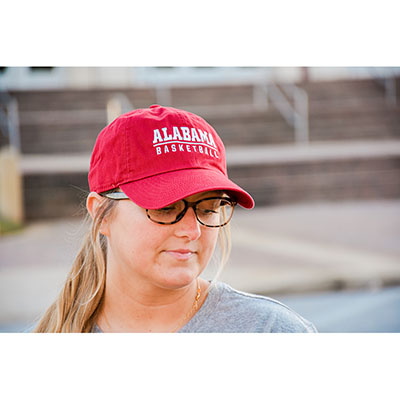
(317, 147)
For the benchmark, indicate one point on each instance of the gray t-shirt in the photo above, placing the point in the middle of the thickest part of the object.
(227, 310)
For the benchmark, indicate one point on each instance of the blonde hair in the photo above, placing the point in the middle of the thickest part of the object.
(225, 245)
(77, 306)
(80, 300)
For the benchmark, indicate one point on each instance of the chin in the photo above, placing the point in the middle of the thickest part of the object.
(180, 279)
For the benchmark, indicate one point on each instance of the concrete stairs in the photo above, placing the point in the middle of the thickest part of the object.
(353, 152)
(351, 110)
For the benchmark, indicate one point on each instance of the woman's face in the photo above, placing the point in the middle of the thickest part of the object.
(165, 256)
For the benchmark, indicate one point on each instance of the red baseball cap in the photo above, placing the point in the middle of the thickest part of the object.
(159, 155)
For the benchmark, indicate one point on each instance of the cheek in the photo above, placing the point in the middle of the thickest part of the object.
(132, 237)
(124, 234)
(209, 239)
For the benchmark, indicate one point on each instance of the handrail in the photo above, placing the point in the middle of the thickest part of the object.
(301, 119)
(296, 115)
(9, 119)
(118, 104)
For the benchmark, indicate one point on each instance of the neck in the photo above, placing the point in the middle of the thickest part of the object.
(126, 309)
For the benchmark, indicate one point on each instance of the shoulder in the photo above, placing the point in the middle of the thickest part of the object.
(237, 311)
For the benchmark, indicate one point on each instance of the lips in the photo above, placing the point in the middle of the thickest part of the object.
(180, 254)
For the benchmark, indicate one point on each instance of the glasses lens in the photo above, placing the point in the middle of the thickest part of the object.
(214, 212)
(211, 212)
(167, 214)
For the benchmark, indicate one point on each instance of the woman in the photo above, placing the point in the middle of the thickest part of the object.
(160, 200)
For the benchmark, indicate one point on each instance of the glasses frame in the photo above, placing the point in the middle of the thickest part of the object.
(188, 204)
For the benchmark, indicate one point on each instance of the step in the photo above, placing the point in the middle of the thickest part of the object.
(320, 171)
(314, 151)
(236, 155)
(63, 131)
(56, 185)
(59, 121)
(90, 99)
(59, 139)
(354, 106)
(343, 89)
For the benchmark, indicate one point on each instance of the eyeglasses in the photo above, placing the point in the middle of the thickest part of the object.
(213, 212)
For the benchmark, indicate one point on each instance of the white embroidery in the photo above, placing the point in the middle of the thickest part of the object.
(182, 138)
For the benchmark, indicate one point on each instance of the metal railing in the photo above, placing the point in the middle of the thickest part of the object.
(291, 102)
(9, 120)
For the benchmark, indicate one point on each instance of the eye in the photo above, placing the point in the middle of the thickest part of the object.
(172, 209)
(212, 206)
(225, 202)
(208, 211)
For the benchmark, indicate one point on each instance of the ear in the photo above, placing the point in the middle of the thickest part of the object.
(93, 202)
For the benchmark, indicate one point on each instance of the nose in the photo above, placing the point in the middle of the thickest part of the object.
(188, 226)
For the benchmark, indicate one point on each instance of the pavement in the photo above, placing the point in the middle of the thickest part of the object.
(350, 311)
(291, 252)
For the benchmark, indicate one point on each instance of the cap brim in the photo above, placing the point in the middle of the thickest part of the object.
(161, 190)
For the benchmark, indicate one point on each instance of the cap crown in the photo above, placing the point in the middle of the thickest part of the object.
(153, 141)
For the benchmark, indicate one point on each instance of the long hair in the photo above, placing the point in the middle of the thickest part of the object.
(225, 245)
(77, 306)
(80, 300)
